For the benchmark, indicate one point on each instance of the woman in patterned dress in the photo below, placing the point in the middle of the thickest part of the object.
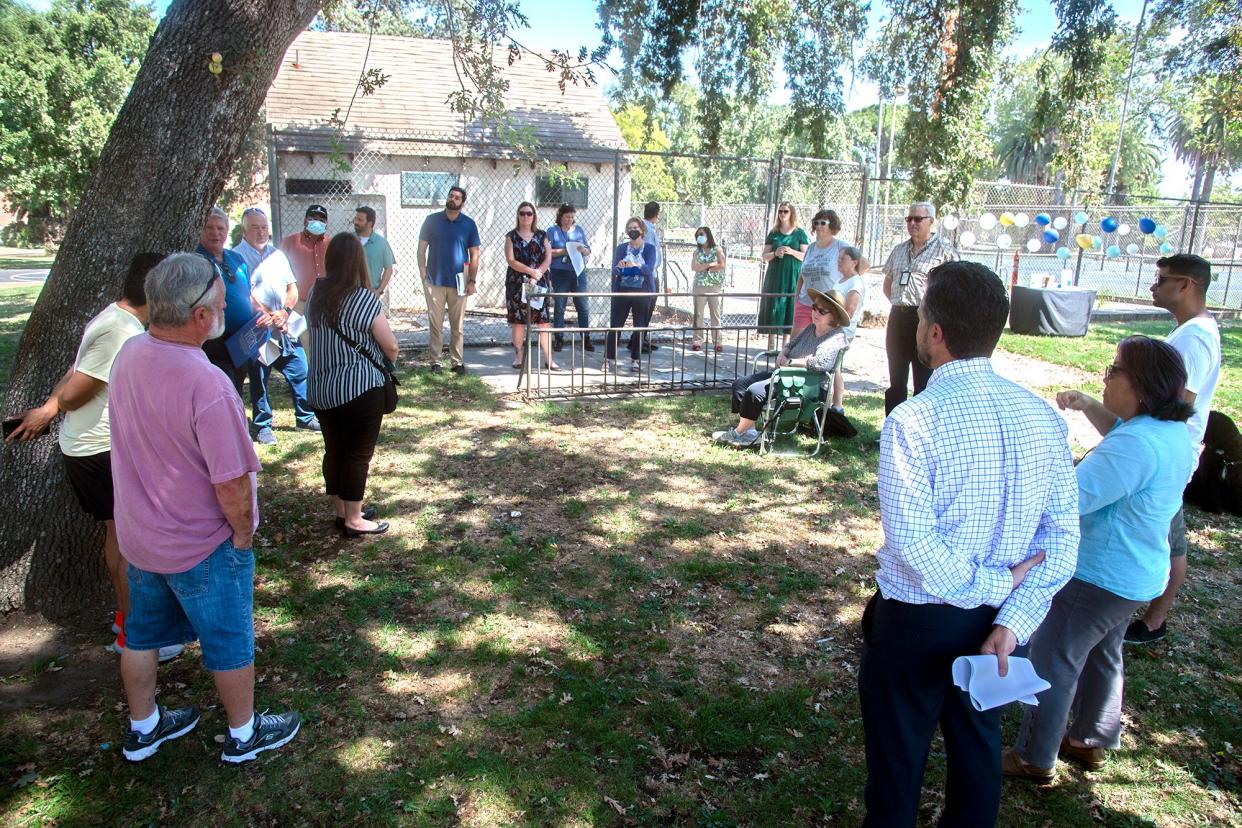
(529, 256)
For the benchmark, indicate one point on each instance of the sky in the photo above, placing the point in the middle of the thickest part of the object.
(570, 24)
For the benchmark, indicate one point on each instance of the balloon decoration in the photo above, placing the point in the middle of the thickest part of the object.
(1166, 248)
(1097, 243)
(1032, 245)
(1084, 240)
(1059, 223)
(1123, 230)
(1021, 220)
(1160, 232)
(1147, 226)
(1063, 253)
(949, 223)
(987, 221)
(1051, 236)
(1006, 219)
(967, 239)
(1113, 251)
(1003, 241)
(1109, 225)
(1080, 217)
(1043, 219)
(1132, 248)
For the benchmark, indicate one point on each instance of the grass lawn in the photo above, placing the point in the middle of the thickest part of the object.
(1094, 351)
(21, 258)
(585, 614)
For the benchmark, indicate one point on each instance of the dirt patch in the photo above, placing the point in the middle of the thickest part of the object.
(46, 665)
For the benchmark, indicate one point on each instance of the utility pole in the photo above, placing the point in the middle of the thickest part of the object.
(1125, 102)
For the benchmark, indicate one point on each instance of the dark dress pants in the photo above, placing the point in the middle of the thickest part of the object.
(350, 432)
(750, 393)
(622, 306)
(218, 355)
(901, 344)
(905, 688)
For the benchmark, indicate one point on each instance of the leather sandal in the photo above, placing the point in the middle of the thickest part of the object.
(1015, 766)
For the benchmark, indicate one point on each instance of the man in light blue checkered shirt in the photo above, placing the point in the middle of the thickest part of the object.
(980, 511)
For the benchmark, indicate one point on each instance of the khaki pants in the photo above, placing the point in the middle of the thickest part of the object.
(707, 295)
(437, 299)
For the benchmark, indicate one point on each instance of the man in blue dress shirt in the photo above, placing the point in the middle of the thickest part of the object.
(979, 505)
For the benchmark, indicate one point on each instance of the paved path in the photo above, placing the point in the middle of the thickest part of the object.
(22, 277)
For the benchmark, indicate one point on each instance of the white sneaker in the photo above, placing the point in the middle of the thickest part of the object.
(166, 653)
(636, 365)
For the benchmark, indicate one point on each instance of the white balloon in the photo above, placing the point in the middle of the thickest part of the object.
(1032, 245)
(967, 239)
(987, 221)
(1059, 222)
(1003, 241)
(1021, 220)
(1123, 230)
(949, 223)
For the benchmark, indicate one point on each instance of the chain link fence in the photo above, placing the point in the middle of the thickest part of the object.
(405, 178)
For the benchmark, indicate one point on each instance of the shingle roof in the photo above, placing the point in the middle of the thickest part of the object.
(320, 71)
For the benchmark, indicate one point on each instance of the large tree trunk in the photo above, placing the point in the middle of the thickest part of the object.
(166, 161)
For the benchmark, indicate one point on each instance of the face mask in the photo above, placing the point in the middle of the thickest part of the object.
(701, 239)
(316, 228)
(633, 234)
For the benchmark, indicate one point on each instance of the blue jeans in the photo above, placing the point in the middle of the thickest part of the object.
(566, 281)
(212, 601)
(292, 364)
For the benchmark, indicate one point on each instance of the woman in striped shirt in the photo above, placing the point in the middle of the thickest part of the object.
(349, 337)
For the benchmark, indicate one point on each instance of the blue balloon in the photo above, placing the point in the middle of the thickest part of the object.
(1051, 236)
(1160, 232)
(1080, 217)
(1063, 253)
(1043, 219)
(1113, 251)
(1166, 248)
(1147, 226)
(1109, 225)
(1097, 243)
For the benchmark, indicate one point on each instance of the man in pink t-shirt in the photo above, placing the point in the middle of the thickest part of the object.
(183, 471)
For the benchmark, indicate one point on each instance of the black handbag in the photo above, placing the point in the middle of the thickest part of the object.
(390, 379)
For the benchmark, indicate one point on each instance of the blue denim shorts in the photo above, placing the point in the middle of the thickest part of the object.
(212, 602)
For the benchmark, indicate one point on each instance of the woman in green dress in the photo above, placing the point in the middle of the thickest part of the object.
(782, 252)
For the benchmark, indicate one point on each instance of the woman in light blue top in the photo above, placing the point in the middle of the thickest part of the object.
(565, 279)
(1129, 488)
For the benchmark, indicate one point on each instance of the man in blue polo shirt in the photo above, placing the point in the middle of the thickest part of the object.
(448, 247)
(237, 308)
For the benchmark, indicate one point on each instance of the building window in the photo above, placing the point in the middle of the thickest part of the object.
(554, 191)
(425, 189)
(317, 186)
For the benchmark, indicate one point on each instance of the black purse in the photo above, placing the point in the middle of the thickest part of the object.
(390, 379)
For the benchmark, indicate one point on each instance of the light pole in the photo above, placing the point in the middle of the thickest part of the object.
(1125, 102)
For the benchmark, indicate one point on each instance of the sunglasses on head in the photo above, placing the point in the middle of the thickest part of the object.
(210, 283)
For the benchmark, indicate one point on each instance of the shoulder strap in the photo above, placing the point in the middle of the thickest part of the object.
(362, 353)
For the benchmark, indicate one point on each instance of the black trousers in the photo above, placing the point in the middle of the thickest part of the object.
(218, 354)
(349, 435)
(901, 344)
(905, 688)
(622, 306)
(750, 393)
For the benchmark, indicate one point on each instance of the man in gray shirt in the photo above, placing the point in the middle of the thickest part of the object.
(905, 280)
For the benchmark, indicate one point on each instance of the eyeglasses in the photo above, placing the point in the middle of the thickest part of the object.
(1112, 370)
(782, 212)
(525, 213)
(819, 310)
(819, 224)
(917, 219)
(210, 284)
(1160, 280)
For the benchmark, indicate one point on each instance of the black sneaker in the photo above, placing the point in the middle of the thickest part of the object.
(436, 368)
(271, 730)
(173, 724)
(458, 369)
(1137, 632)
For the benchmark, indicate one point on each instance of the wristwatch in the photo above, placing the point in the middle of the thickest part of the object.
(288, 310)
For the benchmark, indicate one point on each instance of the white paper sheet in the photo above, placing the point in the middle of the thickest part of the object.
(978, 675)
(297, 324)
(574, 251)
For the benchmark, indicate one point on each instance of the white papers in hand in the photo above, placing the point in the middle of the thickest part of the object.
(297, 324)
(979, 676)
(270, 352)
(574, 251)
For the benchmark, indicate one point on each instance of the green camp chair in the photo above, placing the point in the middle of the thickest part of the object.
(797, 401)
